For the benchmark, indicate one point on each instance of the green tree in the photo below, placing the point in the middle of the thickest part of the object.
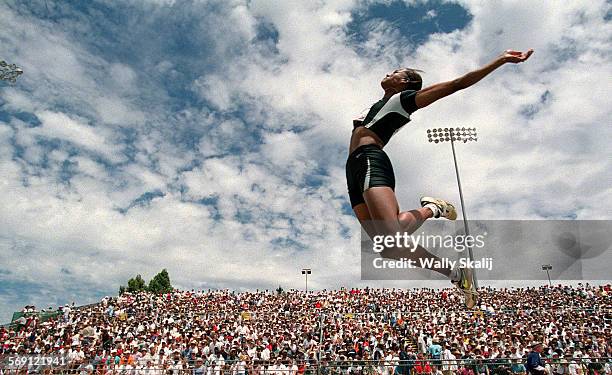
(122, 289)
(160, 283)
(279, 290)
(136, 284)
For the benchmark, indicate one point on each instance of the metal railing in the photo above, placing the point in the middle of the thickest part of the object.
(293, 367)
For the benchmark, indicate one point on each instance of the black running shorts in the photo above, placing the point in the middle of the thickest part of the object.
(366, 167)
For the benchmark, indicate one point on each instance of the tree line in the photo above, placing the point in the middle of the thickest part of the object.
(160, 283)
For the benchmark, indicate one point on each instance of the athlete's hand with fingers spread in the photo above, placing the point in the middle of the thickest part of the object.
(511, 56)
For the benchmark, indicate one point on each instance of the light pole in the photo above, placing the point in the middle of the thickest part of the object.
(547, 267)
(439, 135)
(306, 272)
(9, 72)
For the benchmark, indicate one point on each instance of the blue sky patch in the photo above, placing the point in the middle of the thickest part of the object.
(529, 111)
(26, 117)
(283, 243)
(144, 200)
(413, 22)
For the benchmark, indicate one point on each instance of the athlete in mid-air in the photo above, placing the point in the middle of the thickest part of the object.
(369, 174)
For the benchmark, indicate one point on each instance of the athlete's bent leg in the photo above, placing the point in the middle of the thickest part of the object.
(383, 209)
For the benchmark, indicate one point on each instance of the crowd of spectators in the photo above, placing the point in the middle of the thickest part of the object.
(373, 331)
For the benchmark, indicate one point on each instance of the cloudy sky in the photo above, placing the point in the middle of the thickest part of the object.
(210, 137)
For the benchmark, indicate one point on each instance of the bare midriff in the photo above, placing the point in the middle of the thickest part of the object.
(363, 136)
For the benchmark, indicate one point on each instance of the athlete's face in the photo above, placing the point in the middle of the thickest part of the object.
(396, 79)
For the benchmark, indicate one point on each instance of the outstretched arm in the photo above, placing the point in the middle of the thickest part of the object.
(432, 93)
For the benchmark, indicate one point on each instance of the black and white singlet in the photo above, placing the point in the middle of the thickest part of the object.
(387, 116)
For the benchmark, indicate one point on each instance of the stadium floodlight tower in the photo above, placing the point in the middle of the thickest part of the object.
(547, 267)
(306, 272)
(9, 72)
(452, 135)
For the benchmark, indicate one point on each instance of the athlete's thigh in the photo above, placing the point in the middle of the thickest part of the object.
(382, 203)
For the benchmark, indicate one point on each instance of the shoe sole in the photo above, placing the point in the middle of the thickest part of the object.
(452, 215)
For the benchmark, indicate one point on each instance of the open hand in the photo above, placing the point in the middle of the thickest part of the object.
(511, 56)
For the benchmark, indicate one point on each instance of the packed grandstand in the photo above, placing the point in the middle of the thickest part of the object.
(357, 331)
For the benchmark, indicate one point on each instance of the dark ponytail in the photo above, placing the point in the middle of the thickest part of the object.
(415, 81)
